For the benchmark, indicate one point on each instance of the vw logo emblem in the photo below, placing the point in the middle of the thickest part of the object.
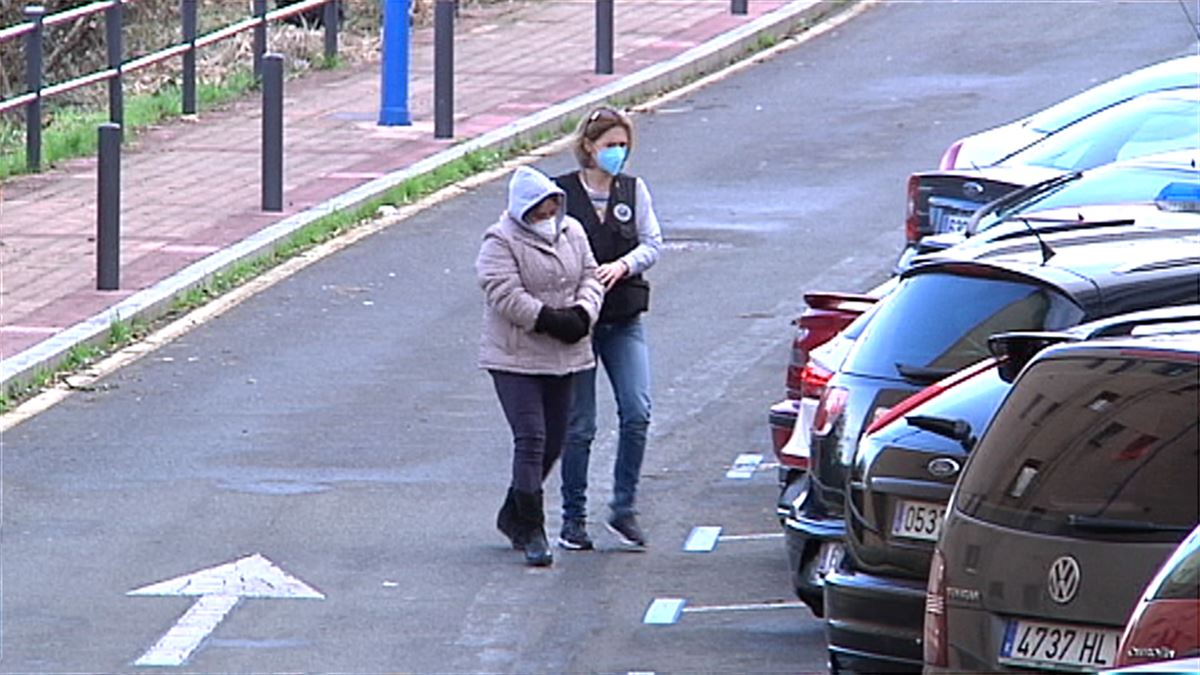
(1063, 582)
(972, 189)
(942, 467)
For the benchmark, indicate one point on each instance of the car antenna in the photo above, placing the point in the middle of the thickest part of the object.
(1047, 252)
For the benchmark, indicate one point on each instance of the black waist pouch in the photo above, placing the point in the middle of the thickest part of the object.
(626, 300)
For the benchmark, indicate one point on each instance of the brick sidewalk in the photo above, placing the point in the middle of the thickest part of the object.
(191, 188)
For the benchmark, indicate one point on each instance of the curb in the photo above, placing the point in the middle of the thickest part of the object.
(155, 301)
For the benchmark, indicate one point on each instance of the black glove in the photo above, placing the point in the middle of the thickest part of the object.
(568, 324)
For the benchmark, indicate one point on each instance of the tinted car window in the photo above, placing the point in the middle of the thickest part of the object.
(1183, 583)
(1094, 448)
(914, 330)
(1133, 129)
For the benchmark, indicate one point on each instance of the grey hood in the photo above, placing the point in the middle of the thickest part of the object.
(526, 188)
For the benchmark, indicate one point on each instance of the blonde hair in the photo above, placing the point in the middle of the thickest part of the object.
(593, 126)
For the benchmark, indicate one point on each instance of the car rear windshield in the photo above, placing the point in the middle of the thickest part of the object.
(1133, 129)
(1097, 447)
(1127, 185)
(936, 323)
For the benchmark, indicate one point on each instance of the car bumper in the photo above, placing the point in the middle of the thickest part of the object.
(874, 623)
(813, 546)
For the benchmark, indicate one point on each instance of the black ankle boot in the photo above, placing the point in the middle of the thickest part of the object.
(532, 526)
(508, 523)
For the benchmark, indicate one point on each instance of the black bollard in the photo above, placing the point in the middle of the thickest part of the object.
(332, 19)
(272, 133)
(190, 24)
(108, 209)
(738, 6)
(36, 15)
(604, 37)
(443, 68)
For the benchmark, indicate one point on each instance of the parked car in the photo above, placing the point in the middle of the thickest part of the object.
(1169, 181)
(1082, 485)
(944, 201)
(827, 315)
(936, 322)
(994, 145)
(1166, 623)
(905, 468)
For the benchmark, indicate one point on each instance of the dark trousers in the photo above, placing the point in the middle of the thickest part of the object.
(537, 407)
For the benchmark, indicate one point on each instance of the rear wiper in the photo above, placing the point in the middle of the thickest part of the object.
(922, 374)
(955, 430)
(1098, 524)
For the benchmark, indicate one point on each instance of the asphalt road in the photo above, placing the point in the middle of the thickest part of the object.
(337, 426)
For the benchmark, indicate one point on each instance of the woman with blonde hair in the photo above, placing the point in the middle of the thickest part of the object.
(616, 212)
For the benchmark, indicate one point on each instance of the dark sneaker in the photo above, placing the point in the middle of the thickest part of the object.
(627, 530)
(574, 536)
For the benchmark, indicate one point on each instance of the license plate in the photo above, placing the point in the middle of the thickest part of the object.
(918, 520)
(1057, 645)
(828, 557)
(945, 220)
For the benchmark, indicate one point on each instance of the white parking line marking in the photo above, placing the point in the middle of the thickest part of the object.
(749, 607)
(664, 611)
(702, 539)
(752, 537)
(220, 589)
(744, 466)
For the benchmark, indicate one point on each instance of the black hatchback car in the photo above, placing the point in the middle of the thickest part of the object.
(907, 464)
(936, 322)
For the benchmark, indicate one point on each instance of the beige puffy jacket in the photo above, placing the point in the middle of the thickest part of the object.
(520, 271)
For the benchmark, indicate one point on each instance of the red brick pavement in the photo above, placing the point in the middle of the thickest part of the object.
(191, 187)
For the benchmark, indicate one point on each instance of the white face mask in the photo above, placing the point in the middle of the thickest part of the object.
(545, 229)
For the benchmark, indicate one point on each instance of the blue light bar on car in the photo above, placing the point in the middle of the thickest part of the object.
(1181, 197)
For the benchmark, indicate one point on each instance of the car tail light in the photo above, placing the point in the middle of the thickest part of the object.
(830, 409)
(936, 651)
(904, 407)
(912, 225)
(950, 157)
(795, 369)
(813, 379)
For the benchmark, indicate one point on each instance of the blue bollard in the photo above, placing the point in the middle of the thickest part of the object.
(393, 106)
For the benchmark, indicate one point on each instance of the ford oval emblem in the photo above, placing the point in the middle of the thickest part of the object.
(943, 467)
(972, 189)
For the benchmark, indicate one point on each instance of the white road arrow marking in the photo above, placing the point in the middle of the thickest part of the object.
(220, 589)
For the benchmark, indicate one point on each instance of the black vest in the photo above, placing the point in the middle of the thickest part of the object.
(610, 239)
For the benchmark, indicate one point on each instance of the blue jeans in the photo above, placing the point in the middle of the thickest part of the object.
(621, 348)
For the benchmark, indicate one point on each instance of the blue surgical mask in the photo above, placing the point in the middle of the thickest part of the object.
(611, 159)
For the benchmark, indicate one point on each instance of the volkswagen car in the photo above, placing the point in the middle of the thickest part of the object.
(1079, 489)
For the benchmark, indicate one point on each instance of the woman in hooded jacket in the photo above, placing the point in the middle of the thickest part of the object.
(542, 297)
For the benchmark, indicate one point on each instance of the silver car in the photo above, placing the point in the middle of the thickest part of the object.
(1081, 486)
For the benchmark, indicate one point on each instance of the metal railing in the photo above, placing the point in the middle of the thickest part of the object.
(38, 20)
